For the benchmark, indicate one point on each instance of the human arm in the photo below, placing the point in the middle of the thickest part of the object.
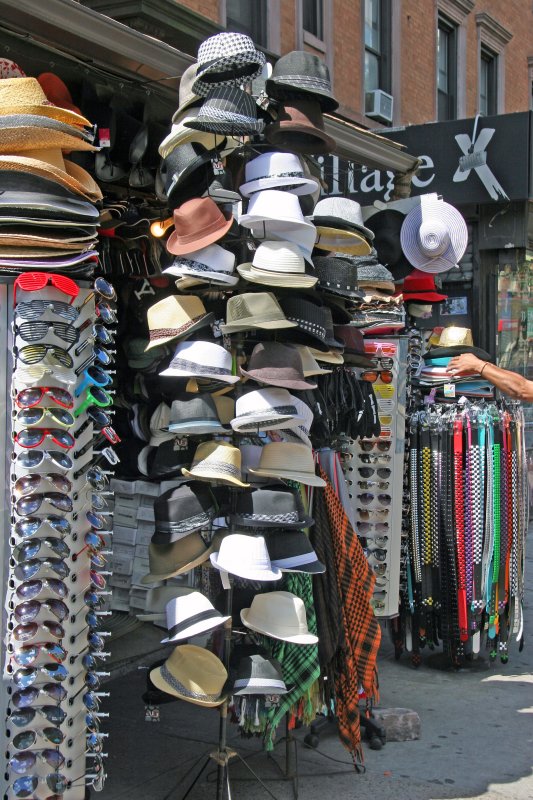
(508, 382)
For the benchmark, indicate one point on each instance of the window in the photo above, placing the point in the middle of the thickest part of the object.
(446, 70)
(377, 45)
(248, 16)
(313, 18)
(488, 82)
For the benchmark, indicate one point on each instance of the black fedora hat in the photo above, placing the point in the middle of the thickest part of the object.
(300, 74)
(271, 507)
(337, 275)
(185, 171)
(314, 321)
(181, 511)
(292, 552)
(170, 457)
(386, 226)
(259, 675)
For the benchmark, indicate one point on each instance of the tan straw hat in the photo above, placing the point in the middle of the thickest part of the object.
(194, 674)
(280, 615)
(309, 363)
(217, 462)
(453, 336)
(278, 264)
(175, 317)
(289, 461)
(50, 165)
(18, 134)
(333, 357)
(245, 312)
(168, 560)
(26, 96)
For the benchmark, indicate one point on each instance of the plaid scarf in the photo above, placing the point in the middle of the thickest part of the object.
(362, 633)
(299, 663)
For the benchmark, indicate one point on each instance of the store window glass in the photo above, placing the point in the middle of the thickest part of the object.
(313, 18)
(446, 70)
(250, 17)
(377, 45)
(488, 82)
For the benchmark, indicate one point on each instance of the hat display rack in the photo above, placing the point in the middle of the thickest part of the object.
(59, 348)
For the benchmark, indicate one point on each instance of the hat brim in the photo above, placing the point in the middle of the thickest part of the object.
(264, 422)
(424, 297)
(249, 575)
(59, 113)
(271, 325)
(341, 226)
(226, 127)
(184, 566)
(74, 178)
(313, 567)
(327, 356)
(299, 186)
(260, 376)
(290, 87)
(281, 279)
(457, 230)
(212, 477)
(170, 372)
(21, 138)
(184, 248)
(246, 522)
(252, 690)
(219, 278)
(195, 630)
(288, 135)
(196, 428)
(342, 241)
(202, 322)
(307, 478)
(161, 684)
(302, 638)
(460, 349)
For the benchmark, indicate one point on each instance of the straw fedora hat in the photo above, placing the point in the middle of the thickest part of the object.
(26, 96)
(278, 264)
(264, 410)
(245, 312)
(217, 462)
(193, 674)
(21, 132)
(189, 615)
(340, 227)
(245, 556)
(168, 560)
(175, 317)
(280, 615)
(49, 164)
(204, 360)
(289, 461)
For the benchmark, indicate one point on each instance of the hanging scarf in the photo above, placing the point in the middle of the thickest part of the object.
(362, 634)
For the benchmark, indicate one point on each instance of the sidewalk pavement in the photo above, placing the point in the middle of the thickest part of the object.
(476, 741)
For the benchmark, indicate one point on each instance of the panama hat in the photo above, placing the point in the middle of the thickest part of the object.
(273, 170)
(309, 363)
(261, 310)
(264, 409)
(226, 59)
(271, 507)
(197, 223)
(434, 235)
(299, 128)
(292, 552)
(22, 132)
(189, 615)
(186, 96)
(340, 227)
(274, 214)
(227, 110)
(280, 615)
(300, 74)
(245, 556)
(48, 164)
(217, 462)
(26, 96)
(301, 430)
(156, 600)
(212, 264)
(288, 461)
(258, 675)
(193, 674)
(169, 560)
(201, 360)
(278, 264)
(175, 317)
(195, 415)
(277, 364)
(333, 357)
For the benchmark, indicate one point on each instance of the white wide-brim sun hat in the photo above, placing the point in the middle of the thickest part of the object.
(434, 235)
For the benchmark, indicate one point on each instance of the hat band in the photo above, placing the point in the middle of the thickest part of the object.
(197, 266)
(217, 466)
(296, 174)
(311, 327)
(314, 82)
(285, 410)
(202, 616)
(269, 683)
(163, 333)
(169, 678)
(289, 517)
(294, 561)
(185, 364)
(186, 524)
(221, 115)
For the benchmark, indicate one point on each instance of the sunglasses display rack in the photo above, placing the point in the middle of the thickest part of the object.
(374, 469)
(60, 538)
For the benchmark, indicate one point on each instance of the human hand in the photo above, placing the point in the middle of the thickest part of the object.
(466, 364)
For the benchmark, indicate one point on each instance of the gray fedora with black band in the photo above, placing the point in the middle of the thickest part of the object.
(259, 675)
(301, 73)
(271, 507)
(181, 511)
(292, 552)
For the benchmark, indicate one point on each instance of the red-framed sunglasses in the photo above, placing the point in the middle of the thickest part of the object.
(34, 281)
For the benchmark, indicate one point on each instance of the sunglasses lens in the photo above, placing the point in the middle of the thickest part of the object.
(54, 714)
(25, 697)
(95, 641)
(29, 438)
(103, 356)
(365, 498)
(384, 499)
(92, 681)
(96, 478)
(97, 416)
(88, 661)
(100, 396)
(365, 472)
(384, 447)
(383, 472)
(27, 484)
(29, 397)
(105, 289)
(23, 633)
(98, 561)
(90, 701)
(97, 521)
(92, 621)
(21, 718)
(24, 787)
(98, 375)
(22, 762)
(97, 580)
(25, 739)
(92, 599)
(63, 438)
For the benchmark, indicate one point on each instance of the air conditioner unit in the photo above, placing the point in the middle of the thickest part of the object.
(379, 105)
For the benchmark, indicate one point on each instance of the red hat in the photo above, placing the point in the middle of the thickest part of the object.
(421, 286)
(56, 91)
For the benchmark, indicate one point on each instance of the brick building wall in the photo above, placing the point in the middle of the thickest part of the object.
(414, 49)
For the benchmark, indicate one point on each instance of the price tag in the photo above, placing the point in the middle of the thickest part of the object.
(151, 714)
(272, 700)
(104, 137)
(218, 166)
(449, 390)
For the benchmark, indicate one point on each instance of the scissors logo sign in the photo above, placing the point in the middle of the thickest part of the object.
(475, 158)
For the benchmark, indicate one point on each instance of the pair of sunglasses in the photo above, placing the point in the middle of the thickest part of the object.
(33, 459)
(33, 502)
(34, 309)
(30, 526)
(38, 329)
(32, 396)
(29, 484)
(33, 417)
(33, 437)
(34, 353)
(35, 281)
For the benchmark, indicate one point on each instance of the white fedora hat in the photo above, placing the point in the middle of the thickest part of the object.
(201, 360)
(211, 264)
(278, 263)
(180, 134)
(273, 214)
(276, 169)
(434, 235)
(265, 409)
(300, 430)
(245, 556)
(290, 461)
(189, 615)
(280, 615)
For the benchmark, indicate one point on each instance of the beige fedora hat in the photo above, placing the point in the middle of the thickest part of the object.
(193, 674)
(309, 363)
(278, 263)
(175, 317)
(168, 560)
(50, 165)
(26, 96)
(454, 336)
(334, 357)
(290, 461)
(218, 462)
(245, 312)
(280, 615)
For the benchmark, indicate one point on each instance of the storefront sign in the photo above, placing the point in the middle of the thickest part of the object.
(466, 161)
